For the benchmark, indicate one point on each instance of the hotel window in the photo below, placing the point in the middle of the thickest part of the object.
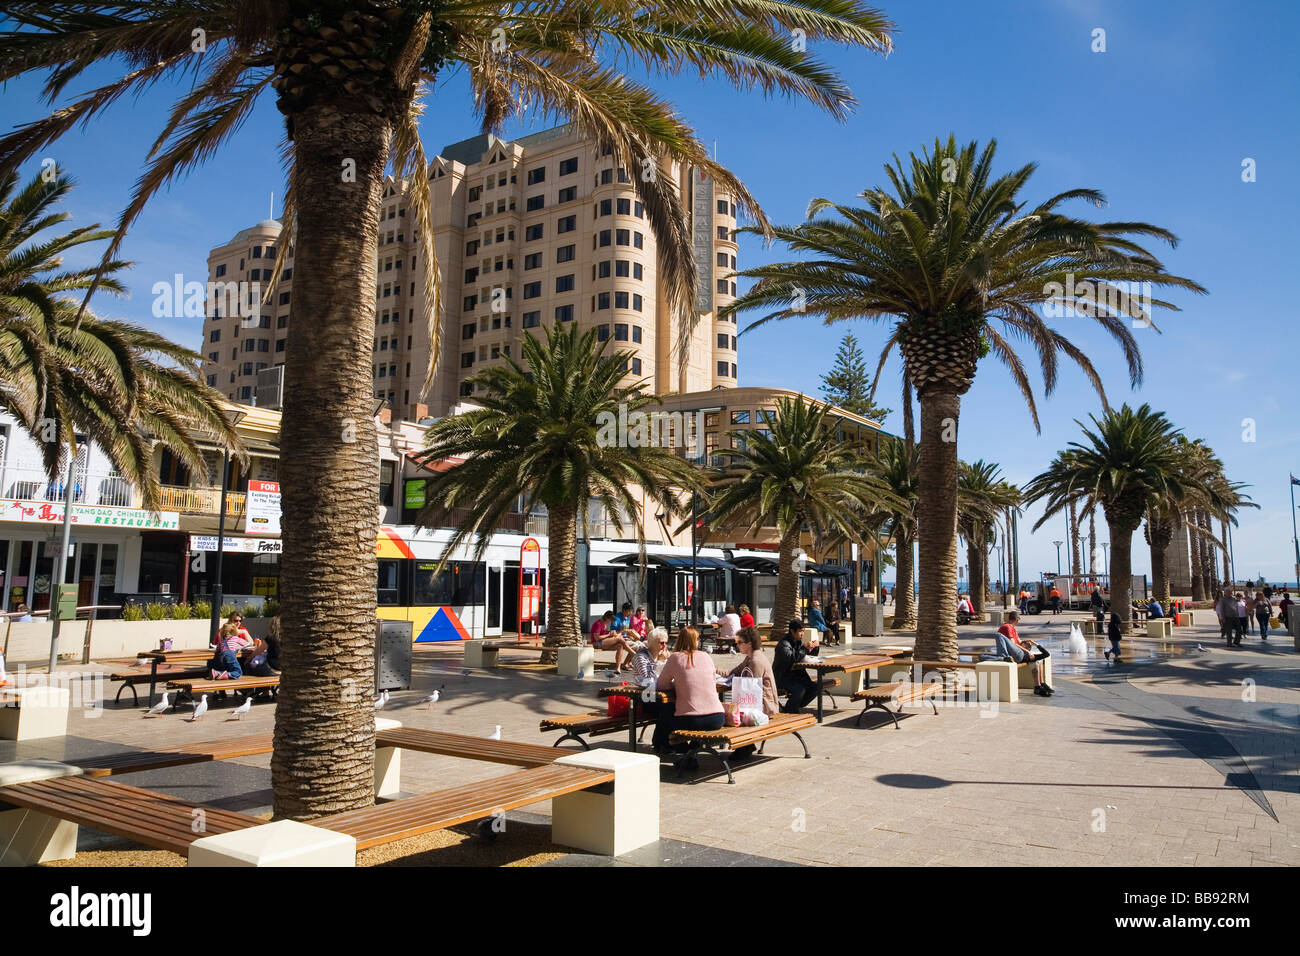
(636, 366)
(534, 202)
(257, 252)
(722, 260)
(471, 274)
(602, 300)
(536, 176)
(606, 207)
(722, 207)
(722, 232)
(482, 353)
(567, 194)
(722, 286)
(621, 267)
(636, 302)
(624, 207)
(532, 320)
(532, 290)
(246, 393)
(279, 345)
(249, 345)
(638, 240)
(532, 261)
(475, 192)
(620, 300)
(636, 333)
(623, 177)
(604, 269)
(602, 333)
(466, 388)
(733, 343)
(733, 262)
(636, 270)
(622, 237)
(212, 380)
(606, 177)
(284, 298)
(567, 224)
(733, 288)
(496, 351)
(568, 166)
(638, 210)
(620, 332)
(221, 270)
(532, 232)
(214, 357)
(471, 247)
(215, 336)
(732, 211)
(722, 340)
(740, 416)
(565, 253)
(603, 237)
(264, 345)
(722, 371)
(564, 283)
(468, 329)
(470, 302)
(247, 369)
(563, 313)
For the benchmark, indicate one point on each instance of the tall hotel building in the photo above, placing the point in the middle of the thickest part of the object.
(546, 227)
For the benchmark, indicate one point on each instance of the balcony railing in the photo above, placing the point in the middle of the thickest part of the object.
(33, 484)
(201, 501)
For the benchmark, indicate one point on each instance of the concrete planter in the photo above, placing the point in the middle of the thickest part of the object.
(30, 643)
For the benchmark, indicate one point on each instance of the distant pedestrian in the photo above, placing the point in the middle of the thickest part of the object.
(1263, 611)
(1243, 617)
(1056, 599)
(1226, 608)
(1098, 607)
(1114, 631)
(844, 602)
(1250, 610)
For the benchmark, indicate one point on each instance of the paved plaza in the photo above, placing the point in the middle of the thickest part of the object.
(1187, 757)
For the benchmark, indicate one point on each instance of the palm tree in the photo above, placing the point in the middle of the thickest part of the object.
(981, 495)
(947, 254)
(1125, 463)
(349, 76)
(894, 466)
(794, 473)
(120, 385)
(545, 432)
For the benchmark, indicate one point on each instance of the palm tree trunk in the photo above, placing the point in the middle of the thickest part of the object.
(936, 614)
(1207, 555)
(787, 578)
(975, 562)
(1092, 544)
(324, 743)
(1161, 533)
(563, 628)
(1227, 564)
(1076, 557)
(1121, 572)
(1194, 542)
(904, 584)
(909, 429)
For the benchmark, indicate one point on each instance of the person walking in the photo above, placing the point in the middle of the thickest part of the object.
(1226, 608)
(1250, 610)
(1056, 599)
(1263, 611)
(1114, 631)
(1243, 617)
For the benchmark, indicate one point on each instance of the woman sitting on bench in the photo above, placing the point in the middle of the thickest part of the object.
(690, 674)
(603, 638)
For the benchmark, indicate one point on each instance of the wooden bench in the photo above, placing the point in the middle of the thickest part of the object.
(203, 752)
(471, 748)
(593, 724)
(153, 819)
(724, 742)
(192, 687)
(412, 816)
(901, 692)
(130, 678)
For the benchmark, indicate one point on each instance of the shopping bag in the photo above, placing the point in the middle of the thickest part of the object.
(1078, 646)
(747, 692)
(753, 718)
(617, 706)
(730, 714)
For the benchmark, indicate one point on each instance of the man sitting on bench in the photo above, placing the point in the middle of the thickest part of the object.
(1011, 647)
(792, 680)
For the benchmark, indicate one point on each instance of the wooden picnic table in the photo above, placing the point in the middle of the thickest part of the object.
(168, 657)
(633, 693)
(848, 663)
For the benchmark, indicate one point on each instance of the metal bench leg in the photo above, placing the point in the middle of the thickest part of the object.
(726, 765)
(893, 713)
(567, 735)
(799, 737)
(866, 707)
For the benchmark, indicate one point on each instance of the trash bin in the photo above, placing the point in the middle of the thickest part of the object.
(392, 655)
(868, 618)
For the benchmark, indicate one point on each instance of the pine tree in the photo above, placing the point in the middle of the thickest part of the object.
(848, 385)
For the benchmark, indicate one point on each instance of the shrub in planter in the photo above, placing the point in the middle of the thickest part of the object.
(155, 612)
(226, 611)
(132, 612)
(252, 610)
(271, 608)
(180, 612)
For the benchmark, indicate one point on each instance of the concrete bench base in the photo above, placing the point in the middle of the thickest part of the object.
(997, 616)
(997, 680)
(610, 823)
(32, 713)
(28, 837)
(476, 655)
(282, 843)
(576, 661)
(1161, 627)
(388, 764)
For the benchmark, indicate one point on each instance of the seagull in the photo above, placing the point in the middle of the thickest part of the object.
(157, 709)
(431, 700)
(496, 734)
(200, 708)
(1200, 648)
(609, 675)
(242, 709)
(464, 672)
(581, 673)
(381, 700)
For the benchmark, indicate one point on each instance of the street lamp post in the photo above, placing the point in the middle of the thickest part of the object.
(1294, 537)
(61, 567)
(1105, 550)
(217, 591)
(1058, 555)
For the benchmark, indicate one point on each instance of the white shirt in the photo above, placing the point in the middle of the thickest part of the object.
(728, 626)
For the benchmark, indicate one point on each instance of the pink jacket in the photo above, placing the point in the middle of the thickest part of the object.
(693, 679)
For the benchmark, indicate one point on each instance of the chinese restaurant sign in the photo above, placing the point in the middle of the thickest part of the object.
(51, 512)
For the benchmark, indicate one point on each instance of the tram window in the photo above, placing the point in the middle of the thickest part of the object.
(458, 584)
(388, 589)
(600, 585)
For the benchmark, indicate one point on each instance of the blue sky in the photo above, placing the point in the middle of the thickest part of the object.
(1160, 122)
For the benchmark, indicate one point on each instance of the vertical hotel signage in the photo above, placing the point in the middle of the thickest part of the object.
(702, 238)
